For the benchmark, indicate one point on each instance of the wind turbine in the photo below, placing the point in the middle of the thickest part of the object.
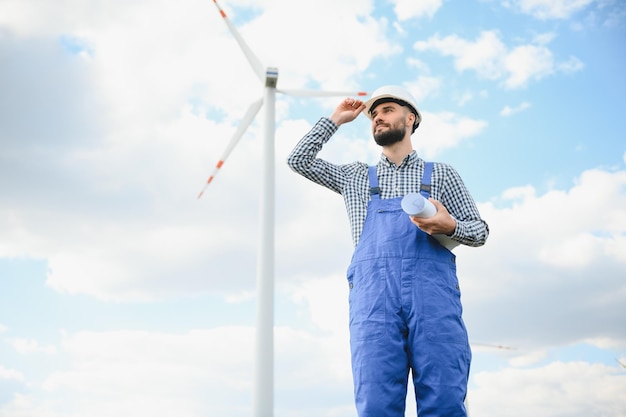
(263, 398)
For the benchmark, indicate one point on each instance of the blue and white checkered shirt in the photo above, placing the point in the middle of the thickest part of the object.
(351, 181)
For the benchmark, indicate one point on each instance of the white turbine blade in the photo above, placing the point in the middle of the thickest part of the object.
(252, 58)
(492, 346)
(315, 93)
(241, 129)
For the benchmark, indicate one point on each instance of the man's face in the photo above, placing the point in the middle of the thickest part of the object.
(389, 123)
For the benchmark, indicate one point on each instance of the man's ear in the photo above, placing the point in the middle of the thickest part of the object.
(411, 119)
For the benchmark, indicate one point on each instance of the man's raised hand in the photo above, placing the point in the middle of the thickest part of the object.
(347, 111)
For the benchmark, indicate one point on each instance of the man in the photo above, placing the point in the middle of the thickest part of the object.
(405, 308)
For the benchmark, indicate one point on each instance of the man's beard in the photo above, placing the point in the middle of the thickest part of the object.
(390, 136)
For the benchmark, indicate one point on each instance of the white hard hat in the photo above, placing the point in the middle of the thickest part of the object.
(395, 94)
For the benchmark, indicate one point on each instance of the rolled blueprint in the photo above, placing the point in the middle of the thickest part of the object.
(415, 205)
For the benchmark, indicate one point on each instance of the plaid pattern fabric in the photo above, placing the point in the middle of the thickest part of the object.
(351, 181)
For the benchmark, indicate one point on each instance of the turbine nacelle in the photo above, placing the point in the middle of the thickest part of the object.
(271, 77)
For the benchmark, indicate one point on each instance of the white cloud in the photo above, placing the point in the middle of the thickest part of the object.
(544, 246)
(607, 343)
(484, 55)
(525, 63)
(551, 9)
(444, 130)
(136, 372)
(27, 346)
(509, 111)
(528, 358)
(424, 87)
(407, 9)
(200, 372)
(11, 374)
(557, 389)
(491, 59)
(572, 65)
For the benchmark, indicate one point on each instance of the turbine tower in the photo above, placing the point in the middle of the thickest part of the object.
(263, 396)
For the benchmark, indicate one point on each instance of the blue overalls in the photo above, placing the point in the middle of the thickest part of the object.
(405, 314)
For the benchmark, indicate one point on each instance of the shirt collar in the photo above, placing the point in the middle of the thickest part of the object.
(410, 159)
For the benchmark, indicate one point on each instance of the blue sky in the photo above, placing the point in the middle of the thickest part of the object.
(122, 294)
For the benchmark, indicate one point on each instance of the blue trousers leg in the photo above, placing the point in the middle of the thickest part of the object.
(406, 316)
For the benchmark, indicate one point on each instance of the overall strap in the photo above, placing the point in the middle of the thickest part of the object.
(425, 185)
(374, 188)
